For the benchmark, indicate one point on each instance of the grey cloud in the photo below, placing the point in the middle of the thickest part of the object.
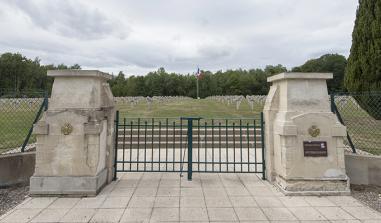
(136, 36)
(71, 19)
(214, 52)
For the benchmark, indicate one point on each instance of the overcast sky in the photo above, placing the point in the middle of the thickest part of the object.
(137, 36)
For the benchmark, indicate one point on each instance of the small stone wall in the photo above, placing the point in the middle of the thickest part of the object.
(363, 169)
(16, 168)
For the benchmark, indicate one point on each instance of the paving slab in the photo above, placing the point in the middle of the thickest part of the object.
(167, 191)
(167, 202)
(307, 214)
(222, 214)
(165, 214)
(64, 203)
(193, 214)
(269, 202)
(279, 214)
(212, 197)
(107, 215)
(50, 215)
(116, 202)
(141, 202)
(38, 202)
(21, 215)
(137, 215)
(91, 202)
(335, 213)
(192, 202)
(240, 201)
(79, 215)
(250, 214)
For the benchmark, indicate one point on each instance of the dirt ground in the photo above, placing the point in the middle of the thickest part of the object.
(370, 195)
(11, 196)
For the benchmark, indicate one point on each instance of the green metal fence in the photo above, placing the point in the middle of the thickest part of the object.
(18, 111)
(190, 144)
(361, 113)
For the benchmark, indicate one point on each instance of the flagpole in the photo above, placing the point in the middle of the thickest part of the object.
(197, 88)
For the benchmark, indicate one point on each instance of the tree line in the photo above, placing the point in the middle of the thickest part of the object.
(19, 73)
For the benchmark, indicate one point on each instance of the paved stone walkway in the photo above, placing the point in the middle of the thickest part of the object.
(156, 197)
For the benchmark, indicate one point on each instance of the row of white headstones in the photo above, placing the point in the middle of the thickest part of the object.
(133, 101)
(252, 100)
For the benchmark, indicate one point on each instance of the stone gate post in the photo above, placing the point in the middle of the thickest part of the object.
(75, 136)
(304, 139)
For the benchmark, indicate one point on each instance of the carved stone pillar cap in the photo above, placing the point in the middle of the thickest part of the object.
(292, 75)
(79, 73)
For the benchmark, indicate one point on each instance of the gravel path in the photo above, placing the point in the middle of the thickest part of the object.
(12, 196)
(370, 195)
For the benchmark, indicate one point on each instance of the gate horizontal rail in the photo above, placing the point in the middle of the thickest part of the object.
(189, 145)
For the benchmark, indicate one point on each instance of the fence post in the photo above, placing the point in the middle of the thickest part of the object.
(263, 146)
(332, 96)
(338, 115)
(46, 101)
(190, 135)
(116, 143)
(42, 107)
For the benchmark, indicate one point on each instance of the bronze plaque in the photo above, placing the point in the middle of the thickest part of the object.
(315, 148)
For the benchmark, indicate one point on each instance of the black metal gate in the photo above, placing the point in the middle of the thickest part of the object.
(189, 144)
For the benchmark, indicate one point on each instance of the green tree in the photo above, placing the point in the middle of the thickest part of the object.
(19, 73)
(272, 70)
(363, 72)
(334, 63)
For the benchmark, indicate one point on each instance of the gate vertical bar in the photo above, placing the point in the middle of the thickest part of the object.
(248, 146)
(138, 148)
(152, 133)
(263, 148)
(240, 140)
(255, 147)
(166, 144)
(116, 142)
(145, 145)
(234, 146)
(190, 131)
(219, 143)
(212, 145)
(124, 142)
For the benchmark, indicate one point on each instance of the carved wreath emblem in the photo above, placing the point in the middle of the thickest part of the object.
(314, 131)
(67, 128)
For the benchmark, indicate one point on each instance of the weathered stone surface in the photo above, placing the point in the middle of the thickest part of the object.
(296, 109)
(364, 169)
(62, 185)
(75, 135)
(16, 168)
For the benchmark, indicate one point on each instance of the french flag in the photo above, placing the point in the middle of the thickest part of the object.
(198, 73)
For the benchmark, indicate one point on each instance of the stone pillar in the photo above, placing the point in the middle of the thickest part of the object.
(75, 136)
(304, 139)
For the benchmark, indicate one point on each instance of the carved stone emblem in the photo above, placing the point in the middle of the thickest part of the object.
(67, 128)
(314, 131)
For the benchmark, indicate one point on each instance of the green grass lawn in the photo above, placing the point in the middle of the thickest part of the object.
(14, 126)
(364, 130)
(204, 108)
(16, 122)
